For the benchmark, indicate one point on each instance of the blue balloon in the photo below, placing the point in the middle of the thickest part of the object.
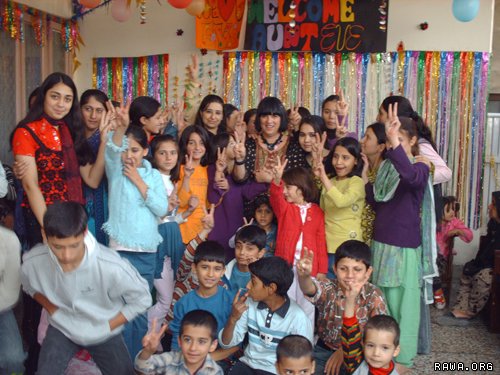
(465, 10)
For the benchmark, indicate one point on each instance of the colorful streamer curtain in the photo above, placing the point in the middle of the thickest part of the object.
(125, 78)
(448, 89)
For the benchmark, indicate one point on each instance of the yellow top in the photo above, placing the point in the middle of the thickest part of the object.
(343, 205)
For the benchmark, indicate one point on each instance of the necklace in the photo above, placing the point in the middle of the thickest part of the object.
(272, 146)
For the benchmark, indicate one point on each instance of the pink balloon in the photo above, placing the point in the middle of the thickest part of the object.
(179, 4)
(120, 11)
(196, 7)
(90, 3)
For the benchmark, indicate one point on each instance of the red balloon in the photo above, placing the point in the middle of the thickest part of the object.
(180, 4)
(89, 3)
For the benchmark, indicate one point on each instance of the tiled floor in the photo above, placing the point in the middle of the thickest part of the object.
(471, 346)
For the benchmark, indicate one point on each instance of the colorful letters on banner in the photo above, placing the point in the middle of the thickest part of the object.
(328, 26)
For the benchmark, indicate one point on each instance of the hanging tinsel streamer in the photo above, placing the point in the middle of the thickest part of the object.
(125, 78)
(448, 89)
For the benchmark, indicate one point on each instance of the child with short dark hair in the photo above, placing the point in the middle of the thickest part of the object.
(198, 335)
(267, 317)
(380, 342)
(294, 355)
(88, 291)
(250, 246)
(352, 266)
(209, 267)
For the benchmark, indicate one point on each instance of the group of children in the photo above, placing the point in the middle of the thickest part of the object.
(253, 235)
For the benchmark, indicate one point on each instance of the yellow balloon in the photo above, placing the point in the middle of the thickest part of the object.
(196, 7)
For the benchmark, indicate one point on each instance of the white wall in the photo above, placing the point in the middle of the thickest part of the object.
(105, 37)
(445, 32)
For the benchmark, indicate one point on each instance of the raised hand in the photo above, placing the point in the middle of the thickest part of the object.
(247, 222)
(392, 125)
(152, 339)
(305, 264)
(240, 151)
(278, 170)
(221, 163)
(107, 124)
(121, 114)
(188, 167)
(294, 118)
(178, 115)
(342, 106)
(208, 221)
(192, 68)
(366, 167)
(239, 306)
(240, 128)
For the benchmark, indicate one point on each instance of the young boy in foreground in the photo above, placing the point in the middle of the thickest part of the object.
(380, 341)
(352, 265)
(267, 317)
(294, 356)
(198, 338)
(88, 290)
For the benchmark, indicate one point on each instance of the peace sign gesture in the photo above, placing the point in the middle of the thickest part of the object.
(208, 220)
(305, 264)
(294, 118)
(221, 163)
(240, 151)
(189, 167)
(151, 340)
(240, 128)
(247, 222)
(119, 114)
(343, 107)
(278, 170)
(107, 124)
(392, 125)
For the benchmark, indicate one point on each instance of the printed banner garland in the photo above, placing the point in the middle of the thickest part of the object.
(125, 78)
(449, 90)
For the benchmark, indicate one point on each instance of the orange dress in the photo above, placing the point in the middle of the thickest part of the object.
(198, 185)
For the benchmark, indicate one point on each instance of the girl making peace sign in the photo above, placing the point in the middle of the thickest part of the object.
(402, 252)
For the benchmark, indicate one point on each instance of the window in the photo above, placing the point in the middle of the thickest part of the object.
(23, 66)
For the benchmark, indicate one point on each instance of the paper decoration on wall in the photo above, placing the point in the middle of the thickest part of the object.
(316, 25)
(448, 89)
(124, 78)
(218, 27)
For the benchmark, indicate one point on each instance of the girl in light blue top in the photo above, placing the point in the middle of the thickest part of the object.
(137, 200)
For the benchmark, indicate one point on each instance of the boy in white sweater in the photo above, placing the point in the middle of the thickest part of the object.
(11, 346)
(88, 290)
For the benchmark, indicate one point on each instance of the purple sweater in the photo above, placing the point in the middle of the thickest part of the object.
(228, 215)
(397, 222)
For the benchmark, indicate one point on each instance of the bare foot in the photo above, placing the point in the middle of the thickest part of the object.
(461, 314)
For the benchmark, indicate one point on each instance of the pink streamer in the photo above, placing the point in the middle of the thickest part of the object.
(262, 68)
